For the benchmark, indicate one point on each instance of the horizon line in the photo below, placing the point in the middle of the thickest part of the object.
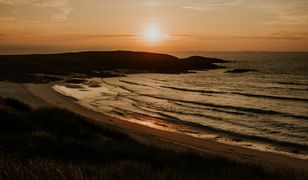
(162, 52)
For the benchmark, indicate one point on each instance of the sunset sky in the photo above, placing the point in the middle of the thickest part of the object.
(41, 26)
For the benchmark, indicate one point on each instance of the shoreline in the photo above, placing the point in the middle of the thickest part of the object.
(47, 96)
(201, 131)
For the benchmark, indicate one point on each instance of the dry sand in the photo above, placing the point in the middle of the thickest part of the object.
(43, 95)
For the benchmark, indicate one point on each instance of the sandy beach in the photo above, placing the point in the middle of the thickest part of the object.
(42, 95)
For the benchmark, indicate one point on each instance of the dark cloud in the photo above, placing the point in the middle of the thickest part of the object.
(96, 36)
(273, 36)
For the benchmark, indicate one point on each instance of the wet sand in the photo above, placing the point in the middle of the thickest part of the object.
(43, 95)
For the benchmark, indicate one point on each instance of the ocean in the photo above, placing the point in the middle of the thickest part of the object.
(265, 109)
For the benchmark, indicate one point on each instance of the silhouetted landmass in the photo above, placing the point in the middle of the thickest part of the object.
(37, 144)
(38, 68)
(239, 70)
(199, 60)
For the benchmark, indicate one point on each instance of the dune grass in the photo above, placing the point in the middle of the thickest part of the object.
(53, 143)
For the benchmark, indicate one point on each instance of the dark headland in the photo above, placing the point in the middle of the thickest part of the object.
(28, 68)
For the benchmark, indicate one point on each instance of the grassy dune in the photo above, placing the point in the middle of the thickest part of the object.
(54, 143)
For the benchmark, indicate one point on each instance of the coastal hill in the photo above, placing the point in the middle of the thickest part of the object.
(23, 68)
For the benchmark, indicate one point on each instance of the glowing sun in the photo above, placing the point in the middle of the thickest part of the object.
(153, 35)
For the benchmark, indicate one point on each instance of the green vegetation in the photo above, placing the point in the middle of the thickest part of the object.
(53, 143)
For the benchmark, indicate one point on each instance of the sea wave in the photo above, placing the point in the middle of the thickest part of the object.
(232, 134)
(237, 108)
(238, 93)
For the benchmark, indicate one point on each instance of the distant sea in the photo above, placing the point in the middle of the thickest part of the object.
(265, 109)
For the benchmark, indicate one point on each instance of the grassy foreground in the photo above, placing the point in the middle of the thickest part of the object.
(53, 143)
